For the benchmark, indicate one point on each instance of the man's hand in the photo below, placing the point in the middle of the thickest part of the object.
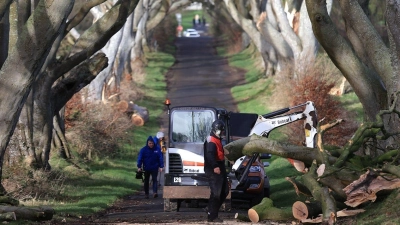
(160, 169)
(139, 169)
(216, 170)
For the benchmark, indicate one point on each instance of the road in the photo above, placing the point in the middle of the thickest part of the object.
(200, 76)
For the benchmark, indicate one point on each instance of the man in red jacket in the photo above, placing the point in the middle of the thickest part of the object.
(214, 168)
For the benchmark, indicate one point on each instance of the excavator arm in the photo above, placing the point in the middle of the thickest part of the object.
(267, 122)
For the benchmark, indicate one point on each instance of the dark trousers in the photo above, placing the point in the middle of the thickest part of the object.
(219, 190)
(154, 175)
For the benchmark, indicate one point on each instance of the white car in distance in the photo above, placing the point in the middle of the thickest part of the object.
(191, 33)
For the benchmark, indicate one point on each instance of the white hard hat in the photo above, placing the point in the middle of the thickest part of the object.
(160, 134)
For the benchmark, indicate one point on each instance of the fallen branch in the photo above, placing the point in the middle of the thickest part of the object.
(266, 211)
(341, 213)
(320, 194)
(25, 213)
(256, 143)
(240, 217)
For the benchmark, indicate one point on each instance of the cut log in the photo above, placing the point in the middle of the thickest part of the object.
(240, 217)
(139, 116)
(366, 188)
(25, 213)
(306, 210)
(128, 107)
(266, 211)
(139, 119)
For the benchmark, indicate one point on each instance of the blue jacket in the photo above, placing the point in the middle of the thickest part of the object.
(150, 158)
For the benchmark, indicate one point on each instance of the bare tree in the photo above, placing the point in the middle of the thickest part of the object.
(281, 33)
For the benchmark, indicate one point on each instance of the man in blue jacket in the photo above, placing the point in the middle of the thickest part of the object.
(151, 159)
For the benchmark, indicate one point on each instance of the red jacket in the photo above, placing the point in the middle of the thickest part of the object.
(213, 154)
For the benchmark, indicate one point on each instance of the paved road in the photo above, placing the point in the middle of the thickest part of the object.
(200, 77)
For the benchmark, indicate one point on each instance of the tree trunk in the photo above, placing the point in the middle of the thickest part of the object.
(96, 87)
(35, 50)
(4, 35)
(4, 7)
(266, 50)
(60, 143)
(366, 83)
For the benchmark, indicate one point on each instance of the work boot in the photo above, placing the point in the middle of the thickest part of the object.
(155, 195)
(216, 220)
(146, 196)
(205, 209)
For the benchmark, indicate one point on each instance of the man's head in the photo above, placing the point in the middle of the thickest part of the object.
(150, 142)
(218, 128)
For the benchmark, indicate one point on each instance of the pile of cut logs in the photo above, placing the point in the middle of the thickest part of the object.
(139, 115)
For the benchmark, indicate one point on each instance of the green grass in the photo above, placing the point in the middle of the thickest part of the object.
(251, 97)
(282, 192)
(351, 103)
